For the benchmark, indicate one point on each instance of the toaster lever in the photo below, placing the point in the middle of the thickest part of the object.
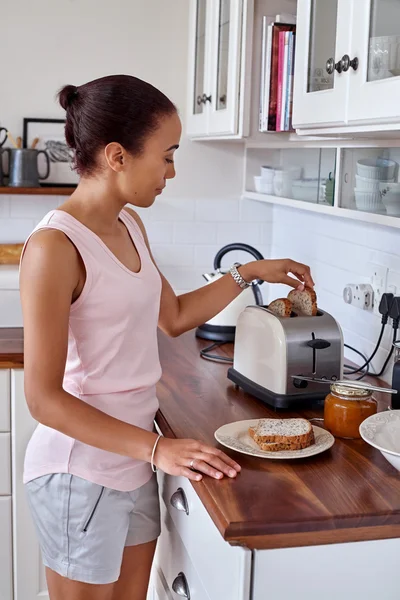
(318, 344)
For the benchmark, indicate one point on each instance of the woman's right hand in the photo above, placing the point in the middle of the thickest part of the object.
(190, 458)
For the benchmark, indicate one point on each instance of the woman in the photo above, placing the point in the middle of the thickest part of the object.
(92, 299)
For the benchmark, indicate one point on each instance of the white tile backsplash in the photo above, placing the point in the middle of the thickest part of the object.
(195, 232)
(215, 209)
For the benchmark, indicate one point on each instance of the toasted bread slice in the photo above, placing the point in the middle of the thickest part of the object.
(278, 446)
(295, 432)
(304, 302)
(281, 307)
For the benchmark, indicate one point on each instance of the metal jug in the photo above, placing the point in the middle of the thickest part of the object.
(24, 170)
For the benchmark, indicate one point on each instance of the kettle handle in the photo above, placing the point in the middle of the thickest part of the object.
(238, 246)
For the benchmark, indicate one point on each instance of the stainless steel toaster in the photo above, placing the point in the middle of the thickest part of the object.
(270, 351)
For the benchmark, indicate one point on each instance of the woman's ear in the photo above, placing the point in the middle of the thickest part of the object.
(115, 156)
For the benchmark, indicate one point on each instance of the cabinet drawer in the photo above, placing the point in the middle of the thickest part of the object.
(5, 464)
(223, 569)
(5, 400)
(173, 562)
(5, 549)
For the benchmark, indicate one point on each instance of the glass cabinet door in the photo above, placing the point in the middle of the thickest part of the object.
(322, 64)
(375, 86)
(323, 31)
(384, 40)
(225, 64)
(223, 54)
(199, 60)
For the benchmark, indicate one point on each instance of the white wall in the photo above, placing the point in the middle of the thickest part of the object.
(338, 251)
(55, 43)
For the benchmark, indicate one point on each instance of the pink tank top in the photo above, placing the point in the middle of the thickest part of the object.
(112, 360)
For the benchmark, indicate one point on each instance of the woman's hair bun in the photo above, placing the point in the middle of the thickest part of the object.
(67, 95)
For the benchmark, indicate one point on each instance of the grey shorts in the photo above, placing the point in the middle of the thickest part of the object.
(83, 527)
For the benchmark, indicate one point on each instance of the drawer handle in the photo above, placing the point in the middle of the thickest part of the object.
(180, 586)
(179, 501)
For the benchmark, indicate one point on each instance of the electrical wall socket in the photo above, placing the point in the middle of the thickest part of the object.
(379, 280)
(359, 295)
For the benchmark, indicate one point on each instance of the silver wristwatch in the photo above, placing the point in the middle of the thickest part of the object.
(238, 278)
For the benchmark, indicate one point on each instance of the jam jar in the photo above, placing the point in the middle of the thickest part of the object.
(346, 408)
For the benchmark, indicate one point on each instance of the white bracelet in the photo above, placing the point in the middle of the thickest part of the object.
(153, 467)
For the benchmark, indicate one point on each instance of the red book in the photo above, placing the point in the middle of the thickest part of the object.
(273, 98)
(281, 54)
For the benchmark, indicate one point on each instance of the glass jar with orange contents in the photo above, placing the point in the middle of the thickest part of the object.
(346, 408)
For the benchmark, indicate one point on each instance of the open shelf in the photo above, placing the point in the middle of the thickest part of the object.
(334, 211)
(39, 191)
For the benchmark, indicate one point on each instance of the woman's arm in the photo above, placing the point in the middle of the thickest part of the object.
(50, 274)
(183, 313)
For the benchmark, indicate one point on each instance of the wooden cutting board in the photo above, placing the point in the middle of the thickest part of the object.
(10, 253)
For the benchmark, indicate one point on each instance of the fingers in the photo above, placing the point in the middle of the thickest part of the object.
(302, 272)
(189, 474)
(227, 459)
(294, 283)
(216, 467)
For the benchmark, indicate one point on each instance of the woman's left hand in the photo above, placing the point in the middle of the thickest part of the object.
(277, 271)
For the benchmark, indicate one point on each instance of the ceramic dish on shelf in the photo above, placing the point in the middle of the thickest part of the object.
(307, 189)
(235, 436)
(390, 194)
(267, 173)
(376, 168)
(368, 185)
(262, 186)
(369, 201)
(382, 431)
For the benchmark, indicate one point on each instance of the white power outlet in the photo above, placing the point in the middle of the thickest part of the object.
(359, 295)
(379, 279)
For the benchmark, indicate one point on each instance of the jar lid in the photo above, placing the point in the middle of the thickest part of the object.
(349, 391)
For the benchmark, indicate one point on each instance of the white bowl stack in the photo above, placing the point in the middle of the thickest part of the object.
(371, 173)
(276, 180)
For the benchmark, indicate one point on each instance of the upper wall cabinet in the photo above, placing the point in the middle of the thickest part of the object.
(220, 39)
(347, 74)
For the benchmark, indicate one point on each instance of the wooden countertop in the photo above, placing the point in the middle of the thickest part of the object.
(11, 348)
(348, 493)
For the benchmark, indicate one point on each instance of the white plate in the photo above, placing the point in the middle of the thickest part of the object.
(236, 437)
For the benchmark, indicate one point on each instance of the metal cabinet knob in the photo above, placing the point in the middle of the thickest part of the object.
(199, 100)
(179, 501)
(347, 63)
(331, 66)
(180, 586)
(206, 98)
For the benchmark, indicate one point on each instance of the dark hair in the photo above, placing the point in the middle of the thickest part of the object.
(117, 108)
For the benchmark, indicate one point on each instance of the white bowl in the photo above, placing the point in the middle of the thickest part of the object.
(390, 194)
(368, 185)
(307, 190)
(369, 201)
(262, 186)
(382, 431)
(292, 172)
(376, 168)
(267, 173)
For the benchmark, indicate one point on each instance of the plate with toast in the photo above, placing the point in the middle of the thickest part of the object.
(275, 438)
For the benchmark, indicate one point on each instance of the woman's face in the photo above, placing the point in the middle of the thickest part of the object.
(145, 176)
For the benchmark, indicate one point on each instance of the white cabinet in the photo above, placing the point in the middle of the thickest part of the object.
(219, 53)
(5, 549)
(29, 574)
(347, 66)
(223, 570)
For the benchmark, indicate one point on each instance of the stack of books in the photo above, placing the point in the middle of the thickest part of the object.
(277, 69)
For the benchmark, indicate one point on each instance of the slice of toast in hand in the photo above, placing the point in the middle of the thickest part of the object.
(304, 302)
(281, 307)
